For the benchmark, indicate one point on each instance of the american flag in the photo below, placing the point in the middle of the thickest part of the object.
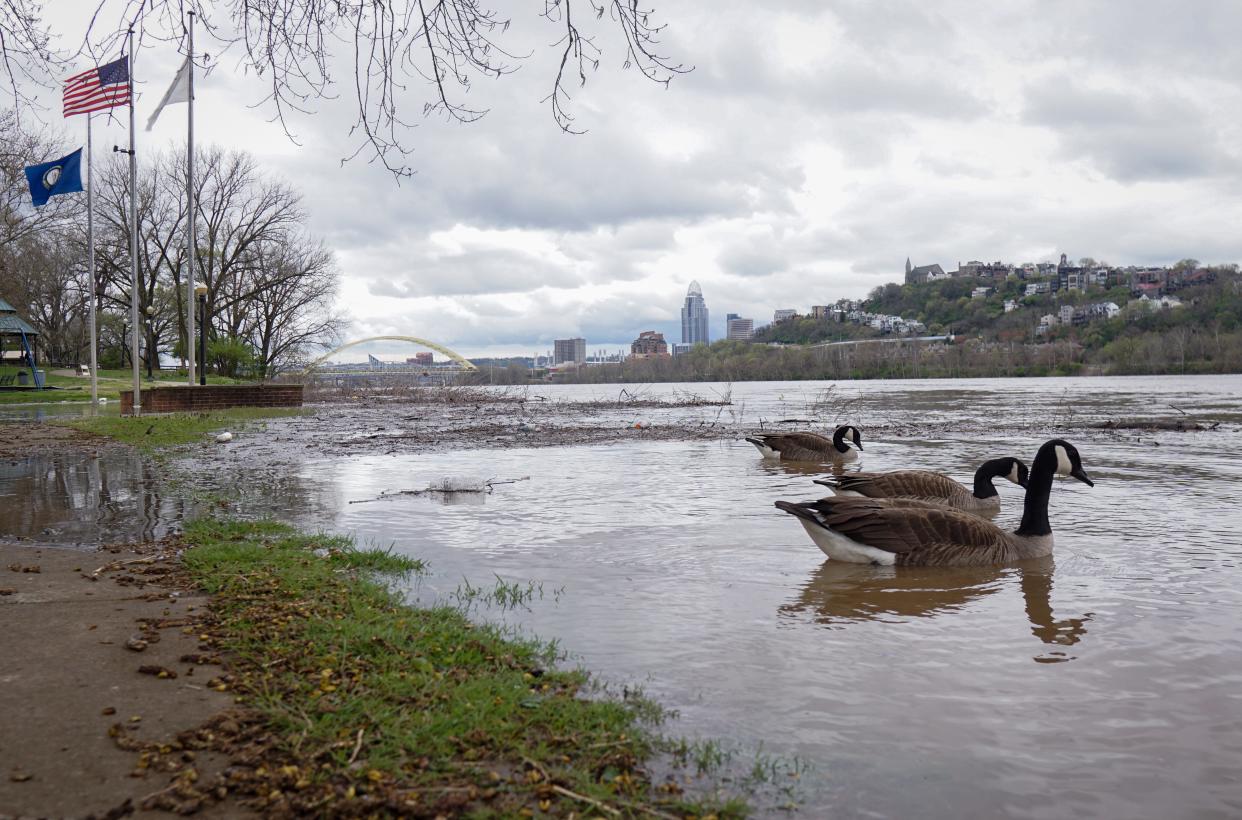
(98, 89)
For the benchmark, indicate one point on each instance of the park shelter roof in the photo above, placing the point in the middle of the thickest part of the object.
(11, 324)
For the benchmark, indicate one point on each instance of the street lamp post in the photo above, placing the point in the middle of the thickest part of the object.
(151, 353)
(200, 290)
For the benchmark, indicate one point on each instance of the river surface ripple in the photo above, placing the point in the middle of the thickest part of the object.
(1103, 682)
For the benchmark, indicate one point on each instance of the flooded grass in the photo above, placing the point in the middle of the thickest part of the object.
(503, 595)
(382, 707)
(174, 429)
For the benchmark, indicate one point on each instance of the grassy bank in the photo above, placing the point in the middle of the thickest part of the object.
(374, 707)
(158, 432)
(78, 388)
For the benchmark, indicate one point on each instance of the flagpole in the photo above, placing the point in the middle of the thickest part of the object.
(90, 259)
(191, 232)
(133, 239)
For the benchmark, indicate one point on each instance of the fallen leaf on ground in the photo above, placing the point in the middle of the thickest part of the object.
(158, 671)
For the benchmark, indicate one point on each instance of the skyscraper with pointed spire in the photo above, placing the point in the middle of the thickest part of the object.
(694, 317)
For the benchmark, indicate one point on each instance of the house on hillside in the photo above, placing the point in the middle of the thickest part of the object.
(1199, 277)
(1151, 281)
(984, 270)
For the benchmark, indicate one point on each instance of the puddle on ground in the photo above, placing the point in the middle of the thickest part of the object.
(73, 499)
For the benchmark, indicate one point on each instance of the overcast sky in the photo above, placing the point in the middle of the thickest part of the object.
(814, 147)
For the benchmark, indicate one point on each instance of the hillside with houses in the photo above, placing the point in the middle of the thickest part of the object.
(1087, 304)
(992, 319)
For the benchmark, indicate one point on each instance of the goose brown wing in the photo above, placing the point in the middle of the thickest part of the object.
(805, 446)
(901, 483)
(916, 535)
(807, 441)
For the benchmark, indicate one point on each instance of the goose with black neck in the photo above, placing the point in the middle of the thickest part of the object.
(865, 530)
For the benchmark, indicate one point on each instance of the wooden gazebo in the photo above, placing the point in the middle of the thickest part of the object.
(18, 342)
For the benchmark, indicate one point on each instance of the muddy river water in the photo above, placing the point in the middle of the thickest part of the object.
(1104, 682)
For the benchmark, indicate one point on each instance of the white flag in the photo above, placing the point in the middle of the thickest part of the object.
(178, 92)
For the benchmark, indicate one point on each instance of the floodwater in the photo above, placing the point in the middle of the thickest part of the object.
(72, 500)
(1105, 681)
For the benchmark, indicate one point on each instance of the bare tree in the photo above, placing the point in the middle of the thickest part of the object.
(46, 281)
(161, 214)
(444, 46)
(292, 308)
(241, 211)
(268, 284)
(25, 53)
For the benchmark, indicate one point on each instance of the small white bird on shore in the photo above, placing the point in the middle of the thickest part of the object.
(224, 437)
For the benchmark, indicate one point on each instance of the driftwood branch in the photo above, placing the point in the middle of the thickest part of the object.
(446, 487)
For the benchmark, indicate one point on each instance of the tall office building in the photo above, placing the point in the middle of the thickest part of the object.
(694, 317)
(569, 350)
(738, 328)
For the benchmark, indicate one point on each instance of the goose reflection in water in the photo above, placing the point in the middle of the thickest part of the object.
(811, 470)
(838, 594)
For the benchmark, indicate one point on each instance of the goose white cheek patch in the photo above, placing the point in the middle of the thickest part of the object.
(1064, 465)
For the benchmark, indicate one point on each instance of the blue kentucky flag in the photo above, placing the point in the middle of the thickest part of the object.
(60, 176)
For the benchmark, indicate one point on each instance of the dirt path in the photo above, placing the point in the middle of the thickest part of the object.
(69, 684)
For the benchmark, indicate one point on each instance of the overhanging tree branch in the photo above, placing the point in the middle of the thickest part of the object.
(397, 46)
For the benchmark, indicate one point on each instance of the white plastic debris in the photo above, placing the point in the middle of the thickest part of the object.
(224, 437)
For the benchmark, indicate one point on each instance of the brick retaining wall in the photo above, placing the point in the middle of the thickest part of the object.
(213, 397)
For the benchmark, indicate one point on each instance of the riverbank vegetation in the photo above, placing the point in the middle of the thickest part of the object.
(357, 704)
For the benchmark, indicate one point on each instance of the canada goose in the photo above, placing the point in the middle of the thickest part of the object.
(925, 485)
(809, 446)
(866, 530)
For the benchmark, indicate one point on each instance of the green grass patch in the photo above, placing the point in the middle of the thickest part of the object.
(413, 711)
(174, 429)
(78, 388)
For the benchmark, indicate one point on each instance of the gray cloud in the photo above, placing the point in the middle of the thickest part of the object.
(484, 270)
(1148, 135)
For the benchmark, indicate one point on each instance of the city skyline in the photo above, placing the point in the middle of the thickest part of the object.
(748, 325)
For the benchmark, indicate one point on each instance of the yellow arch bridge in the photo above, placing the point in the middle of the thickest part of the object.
(457, 357)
